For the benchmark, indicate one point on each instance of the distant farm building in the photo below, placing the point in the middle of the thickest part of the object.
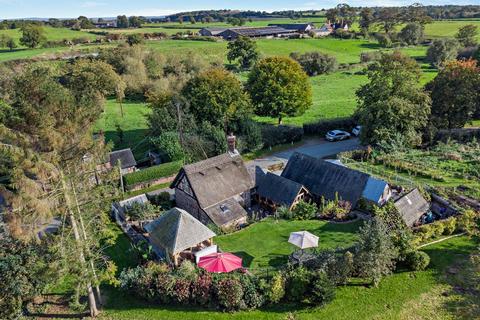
(211, 32)
(298, 27)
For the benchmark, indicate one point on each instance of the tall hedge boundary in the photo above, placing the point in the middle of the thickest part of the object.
(323, 126)
(153, 173)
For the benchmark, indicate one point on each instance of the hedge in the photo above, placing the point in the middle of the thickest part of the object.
(152, 173)
(275, 135)
(460, 135)
(323, 126)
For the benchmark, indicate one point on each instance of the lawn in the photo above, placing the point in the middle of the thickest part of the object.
(133, 123)
(403, 295)
(447, 28)
(265, 244)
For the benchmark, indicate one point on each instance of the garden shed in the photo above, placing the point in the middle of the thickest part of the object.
(412, 207)
(126, 159)
(179, 235)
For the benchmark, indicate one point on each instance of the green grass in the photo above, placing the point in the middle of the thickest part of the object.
(442, 29)
(391, 300)
(333, 97)
(133, 124)
(265, 244)
(52, 34)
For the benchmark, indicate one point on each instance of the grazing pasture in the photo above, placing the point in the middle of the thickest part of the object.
(52, 34)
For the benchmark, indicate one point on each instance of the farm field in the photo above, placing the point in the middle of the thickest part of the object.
(398, 296)
(264, 244)
(52, 34)
(447, 28)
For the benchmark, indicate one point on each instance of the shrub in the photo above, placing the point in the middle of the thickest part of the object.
(229, 293)
(142, 211)
(181, 290)
(467, 222)
(323, 126)
(164, 286)
(251, 134)
(275, 135)
(370, 56)
(449, 225)
(276, 289)
(168, 143)
(418, 260)
(336, 209)
(384, 40)
(304, 211)
(153, 173)
(322, 289)
(315, 63)
(162, 200)
(298, 281)
(202, 289)
(252, 297)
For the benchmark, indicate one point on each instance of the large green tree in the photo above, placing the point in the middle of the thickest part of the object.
(455, 93)
(216, 96)
(32, 35)
(442, 51)
(467, 35)
(393, 102)
(279, 87)
(412, 33)
(244, 50)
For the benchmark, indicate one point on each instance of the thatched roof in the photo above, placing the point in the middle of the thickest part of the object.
(125, 157)
(216, 179)
(322, 178)
(176, 230)
(411, 207)
(280, 190)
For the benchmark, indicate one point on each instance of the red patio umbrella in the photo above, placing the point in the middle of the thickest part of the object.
(220, 262)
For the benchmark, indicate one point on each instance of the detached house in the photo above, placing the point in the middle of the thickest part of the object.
(215, 190)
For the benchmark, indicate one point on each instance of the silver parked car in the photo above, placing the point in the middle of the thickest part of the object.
(356, 131)
(337, 135)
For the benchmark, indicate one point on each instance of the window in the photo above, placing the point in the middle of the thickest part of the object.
(224, 208)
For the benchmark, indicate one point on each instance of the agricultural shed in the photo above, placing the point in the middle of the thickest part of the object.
(299, 27)
(412, 207)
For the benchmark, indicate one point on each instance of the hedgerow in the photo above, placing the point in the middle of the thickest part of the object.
(152, 173)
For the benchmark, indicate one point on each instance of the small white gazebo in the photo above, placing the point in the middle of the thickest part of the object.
(303, 239)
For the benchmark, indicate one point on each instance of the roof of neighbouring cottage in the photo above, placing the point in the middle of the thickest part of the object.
(326, 179)
(125, 157)
(177, 230)
(278, 189)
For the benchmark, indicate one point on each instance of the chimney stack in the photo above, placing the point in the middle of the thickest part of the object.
(231, 141)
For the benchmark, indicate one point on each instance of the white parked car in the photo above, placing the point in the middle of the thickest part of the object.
(356, 131)
(337, 135)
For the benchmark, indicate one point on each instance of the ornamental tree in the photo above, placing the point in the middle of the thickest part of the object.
(279, 87)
